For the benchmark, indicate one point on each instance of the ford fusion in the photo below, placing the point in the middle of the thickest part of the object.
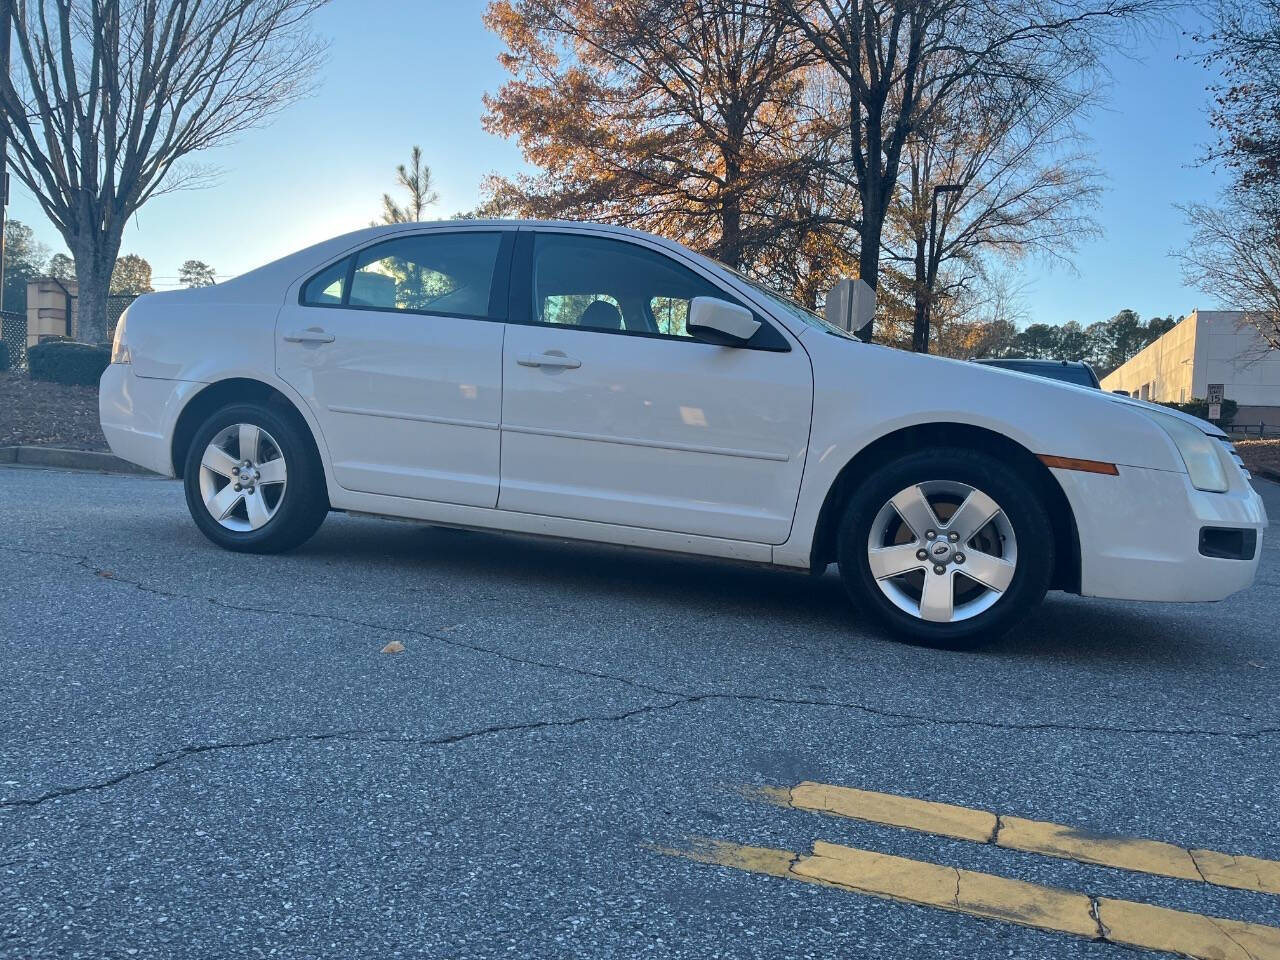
(595, 383)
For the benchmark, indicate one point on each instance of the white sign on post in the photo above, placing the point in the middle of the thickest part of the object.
(1215, 392)
(851, 304)
(1215, 411)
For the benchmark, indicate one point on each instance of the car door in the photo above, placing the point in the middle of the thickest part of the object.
(612, 412)
(398, 350)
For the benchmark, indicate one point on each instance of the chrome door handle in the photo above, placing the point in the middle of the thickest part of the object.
(549, 360)
(309, 336)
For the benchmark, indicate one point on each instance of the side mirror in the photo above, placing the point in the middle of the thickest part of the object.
(725, 324)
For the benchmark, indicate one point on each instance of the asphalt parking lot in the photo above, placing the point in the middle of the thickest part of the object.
(207, 755)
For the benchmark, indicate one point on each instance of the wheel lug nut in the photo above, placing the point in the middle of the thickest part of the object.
(922, 555)
(236, 488)
(953, 537)
(959, 558)
(939, 569)
(930, 535)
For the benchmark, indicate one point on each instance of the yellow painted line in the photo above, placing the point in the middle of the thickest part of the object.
(1032, 836)
(999, 898)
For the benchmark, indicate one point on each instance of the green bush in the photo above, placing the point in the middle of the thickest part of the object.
(4, 356)
(1200, 408)
(65, 361)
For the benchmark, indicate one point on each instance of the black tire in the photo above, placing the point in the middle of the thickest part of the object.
(302, 505)
(1020, 505)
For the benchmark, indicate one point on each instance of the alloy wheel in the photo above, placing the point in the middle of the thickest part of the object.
(243, 476)
(942, 551)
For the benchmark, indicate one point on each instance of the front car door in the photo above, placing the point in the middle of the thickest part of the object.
(397, 349)
(612, 412)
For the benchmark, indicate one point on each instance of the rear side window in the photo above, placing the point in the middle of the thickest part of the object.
(327, 287)
(446, 273)
(431, 273)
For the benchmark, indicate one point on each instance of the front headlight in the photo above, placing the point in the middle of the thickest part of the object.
(1199, 452)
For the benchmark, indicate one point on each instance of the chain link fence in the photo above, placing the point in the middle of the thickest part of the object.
(116, 305)
(13, 331)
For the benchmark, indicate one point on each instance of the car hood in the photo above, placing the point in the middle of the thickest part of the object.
(1211, 429)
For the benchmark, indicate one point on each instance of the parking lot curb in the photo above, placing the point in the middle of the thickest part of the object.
(71, 460)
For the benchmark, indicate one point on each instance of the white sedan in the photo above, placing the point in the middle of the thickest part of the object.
(596, 383)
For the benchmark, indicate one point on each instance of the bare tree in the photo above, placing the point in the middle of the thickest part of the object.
(903, 61)
(416, 179)
(682, 118)
(1244, 45)
(109, 96)
(1234, 256)
(1016, 185)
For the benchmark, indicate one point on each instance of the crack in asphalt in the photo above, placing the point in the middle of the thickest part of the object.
(995, 831)
(910, 718)
(348, 736)
(1217, 925)
(1095, 911)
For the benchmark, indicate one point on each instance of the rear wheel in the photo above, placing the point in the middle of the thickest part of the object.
(252, 480)
(948, 548)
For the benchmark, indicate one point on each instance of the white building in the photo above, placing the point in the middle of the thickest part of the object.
(1210, 347)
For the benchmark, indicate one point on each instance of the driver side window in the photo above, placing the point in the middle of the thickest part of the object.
(602, 284)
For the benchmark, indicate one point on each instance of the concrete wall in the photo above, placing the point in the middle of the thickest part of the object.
(1163, 370)
(1210, 346)
(47, 309)
(1234, 355)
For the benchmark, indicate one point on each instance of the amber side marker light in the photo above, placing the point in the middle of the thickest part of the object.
(1087, 466)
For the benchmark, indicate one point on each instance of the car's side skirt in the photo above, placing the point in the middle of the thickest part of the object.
(483, 518)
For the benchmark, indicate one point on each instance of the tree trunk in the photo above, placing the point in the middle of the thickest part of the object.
(731, 231)
(731, 205)
(95, 254)
(869, 233)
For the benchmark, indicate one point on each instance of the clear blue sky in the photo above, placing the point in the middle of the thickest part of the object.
(403, 73)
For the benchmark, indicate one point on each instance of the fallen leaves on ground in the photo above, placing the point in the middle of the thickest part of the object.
(395, 646)
(1261, 457)
(38, 413)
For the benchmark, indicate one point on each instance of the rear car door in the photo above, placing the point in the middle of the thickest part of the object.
(398, 350)
(612, 412)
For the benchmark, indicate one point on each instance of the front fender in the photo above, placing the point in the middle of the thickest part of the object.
(864, 393)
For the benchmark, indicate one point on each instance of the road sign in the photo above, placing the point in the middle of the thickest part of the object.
(851, 304)
(1215, 411)
(1215, 393)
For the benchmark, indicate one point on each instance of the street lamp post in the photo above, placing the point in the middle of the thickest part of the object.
(924, 317)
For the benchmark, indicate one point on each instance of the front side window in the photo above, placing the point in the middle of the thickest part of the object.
(448, 273)
(612, 285)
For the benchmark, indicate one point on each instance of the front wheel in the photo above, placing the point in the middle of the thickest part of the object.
(252, 480)
(948, 548)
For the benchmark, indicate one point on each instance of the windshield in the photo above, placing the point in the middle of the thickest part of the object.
(788, 306)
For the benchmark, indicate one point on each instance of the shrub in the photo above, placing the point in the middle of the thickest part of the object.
(1200, 408)
(65, 361)
(4, 356)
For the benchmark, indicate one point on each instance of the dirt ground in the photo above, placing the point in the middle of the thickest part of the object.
(1262, 457)
(33, 412)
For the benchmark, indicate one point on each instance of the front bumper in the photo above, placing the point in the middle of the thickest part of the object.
(133, 412)
(1140, 534)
